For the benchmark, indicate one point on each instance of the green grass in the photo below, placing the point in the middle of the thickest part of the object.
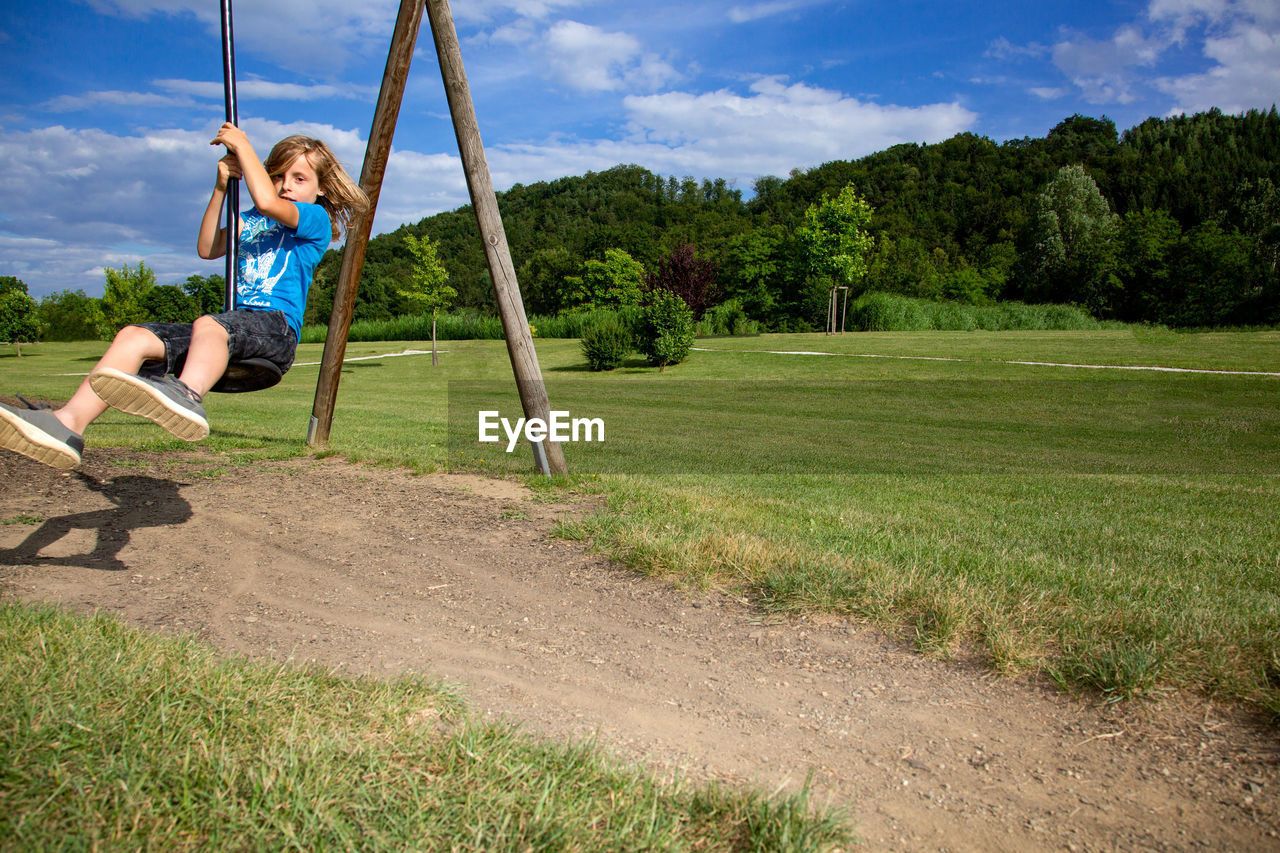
(114, 738)
(1112, 529)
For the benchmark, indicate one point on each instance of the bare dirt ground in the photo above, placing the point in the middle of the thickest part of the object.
(378, 571)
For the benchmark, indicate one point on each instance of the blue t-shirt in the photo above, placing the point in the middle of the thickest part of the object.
(273, 271)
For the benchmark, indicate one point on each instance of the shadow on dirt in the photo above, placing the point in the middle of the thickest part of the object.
(139, 502)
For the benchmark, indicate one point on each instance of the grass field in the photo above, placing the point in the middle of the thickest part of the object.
(1112, 528)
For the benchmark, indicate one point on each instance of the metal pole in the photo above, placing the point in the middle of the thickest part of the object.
(506, 290)
(233, 185)
(376, 155)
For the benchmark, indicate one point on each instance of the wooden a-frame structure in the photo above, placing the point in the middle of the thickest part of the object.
(515, 325)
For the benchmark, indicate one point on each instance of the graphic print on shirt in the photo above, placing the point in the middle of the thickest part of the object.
(262, 240)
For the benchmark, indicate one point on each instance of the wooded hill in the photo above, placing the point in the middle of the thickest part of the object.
(1174, 221)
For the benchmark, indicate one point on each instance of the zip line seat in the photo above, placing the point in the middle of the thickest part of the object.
(250, 374)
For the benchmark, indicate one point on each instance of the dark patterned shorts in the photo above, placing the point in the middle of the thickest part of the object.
(251, 334)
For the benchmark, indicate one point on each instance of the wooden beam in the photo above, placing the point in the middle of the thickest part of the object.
(506, 290)
(376, 154)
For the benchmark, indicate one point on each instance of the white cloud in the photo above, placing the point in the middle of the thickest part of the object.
(1102, 70)
(1181, 15)
(1245, 72)
(756, 11)
(589, 59)
(487, 11)
(418, 185)
(75, 196)
(266, 90)
(1240, 39)
(315, 36)
(518, 33)
(803, 123)
(183, 93)
(1002, 48)
(775, 128)
(79, 200)
(1046, 93)
(132, 100)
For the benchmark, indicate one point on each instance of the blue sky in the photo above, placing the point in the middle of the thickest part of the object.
(109, 105)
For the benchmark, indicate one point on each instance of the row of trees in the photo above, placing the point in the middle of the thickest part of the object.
(1174, 221)
(131, 295)
(1182, 219)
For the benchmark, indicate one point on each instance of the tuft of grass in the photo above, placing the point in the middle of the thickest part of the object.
(1117, 669)
(943, 624)
(112, 737)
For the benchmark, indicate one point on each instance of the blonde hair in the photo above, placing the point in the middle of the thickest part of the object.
(341, 197)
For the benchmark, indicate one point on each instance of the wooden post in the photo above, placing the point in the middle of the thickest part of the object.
(515, 325)
(376, 155)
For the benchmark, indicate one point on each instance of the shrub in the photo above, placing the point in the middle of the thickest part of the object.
(606, 341)
(666, 329)
(727, 318)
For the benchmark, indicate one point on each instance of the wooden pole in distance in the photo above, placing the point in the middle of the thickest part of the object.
(376, 155)
(515, 325)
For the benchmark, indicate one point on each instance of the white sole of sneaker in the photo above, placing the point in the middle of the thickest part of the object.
(133, 395)
(29, 440)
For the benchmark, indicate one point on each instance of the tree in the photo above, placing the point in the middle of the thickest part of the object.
(1259, 205)
(610, 284)
(904, 265)
(666, 334)
(835, 237)
(122, 300)
(686, 275)
(941, 214)
(72, 315)
(169, 303)
(1074, 243)
(1146, 246)
(208, 293)
(427, 289)
(18, 321)
(752, 267)
(542, 279)
(1213, 278)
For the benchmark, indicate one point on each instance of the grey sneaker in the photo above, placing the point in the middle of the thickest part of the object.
(35, 432)
(165, 401)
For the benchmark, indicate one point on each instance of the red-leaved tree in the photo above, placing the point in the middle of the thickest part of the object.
(686, 275)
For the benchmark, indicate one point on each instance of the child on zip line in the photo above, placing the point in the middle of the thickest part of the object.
(161, 371)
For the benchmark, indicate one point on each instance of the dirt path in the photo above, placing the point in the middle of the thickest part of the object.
(454, 576)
